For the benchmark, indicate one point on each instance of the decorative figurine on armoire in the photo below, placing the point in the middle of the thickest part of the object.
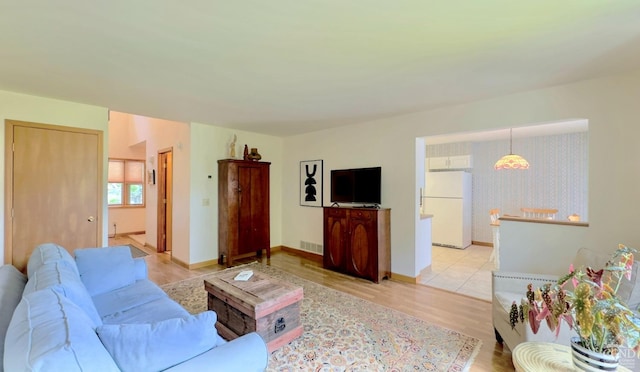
(232, 148)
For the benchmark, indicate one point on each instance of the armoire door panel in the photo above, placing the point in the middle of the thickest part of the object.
(335, 243)
(359, 250)
(245, 212)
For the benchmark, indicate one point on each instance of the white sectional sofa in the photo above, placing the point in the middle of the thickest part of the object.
(508, 287)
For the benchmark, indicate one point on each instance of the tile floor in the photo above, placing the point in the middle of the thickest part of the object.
(464, 271)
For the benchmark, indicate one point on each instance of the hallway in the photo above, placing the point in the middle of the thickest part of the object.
(464, 271)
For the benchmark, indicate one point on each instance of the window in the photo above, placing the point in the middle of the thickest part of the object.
(126, 183)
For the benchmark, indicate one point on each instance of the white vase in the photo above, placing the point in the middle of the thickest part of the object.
(588, 360)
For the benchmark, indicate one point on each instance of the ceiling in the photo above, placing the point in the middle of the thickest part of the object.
(284, 67)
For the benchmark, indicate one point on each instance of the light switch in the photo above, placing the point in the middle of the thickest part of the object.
(205, 202)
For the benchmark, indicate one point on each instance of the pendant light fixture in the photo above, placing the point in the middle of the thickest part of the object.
(511, 161)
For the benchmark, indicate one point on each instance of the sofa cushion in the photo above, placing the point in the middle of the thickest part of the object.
(140, 268)
(105, 269)
(48, 332)
(126, 298)
(160, 345)
(48, 253)
(251, 348)
(159, 309)
(63, 279)
(12, 284)
(505, 299)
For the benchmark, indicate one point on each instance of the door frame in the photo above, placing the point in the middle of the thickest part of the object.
(165, 191)
(8, 177)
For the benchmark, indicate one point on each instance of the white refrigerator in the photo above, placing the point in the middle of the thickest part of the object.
(448, 198)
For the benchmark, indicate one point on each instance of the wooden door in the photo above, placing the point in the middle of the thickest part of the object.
(335, 231)
(53, 188)
(362, 249)
(165, 200)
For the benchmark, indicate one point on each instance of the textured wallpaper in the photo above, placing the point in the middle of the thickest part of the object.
(557, 178)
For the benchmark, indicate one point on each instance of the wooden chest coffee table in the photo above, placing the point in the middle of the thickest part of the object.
(263, 304)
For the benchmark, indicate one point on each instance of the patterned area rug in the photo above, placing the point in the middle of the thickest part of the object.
(346, 333)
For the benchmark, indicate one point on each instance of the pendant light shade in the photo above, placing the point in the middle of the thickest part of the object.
(511, 161)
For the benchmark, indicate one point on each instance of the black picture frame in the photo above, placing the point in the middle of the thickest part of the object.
(311, 185)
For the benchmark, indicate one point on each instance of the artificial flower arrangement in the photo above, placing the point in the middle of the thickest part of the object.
(602, 320)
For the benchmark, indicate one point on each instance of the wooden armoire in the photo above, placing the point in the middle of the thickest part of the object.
(243, 209)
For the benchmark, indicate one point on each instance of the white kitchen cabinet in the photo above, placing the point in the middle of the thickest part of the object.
(439, 163)
(450, 162)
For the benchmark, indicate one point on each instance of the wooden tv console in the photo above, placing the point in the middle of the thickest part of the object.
(357, 241)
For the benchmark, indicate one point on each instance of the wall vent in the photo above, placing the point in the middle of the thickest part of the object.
(311, 247)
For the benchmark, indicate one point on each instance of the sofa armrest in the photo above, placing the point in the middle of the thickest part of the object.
(140, 268)
(504, 281)
(246, 353)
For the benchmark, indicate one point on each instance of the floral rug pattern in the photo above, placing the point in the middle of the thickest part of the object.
(345, 333)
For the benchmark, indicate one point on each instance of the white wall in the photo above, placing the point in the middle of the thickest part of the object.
(209, 144)
(610, 105)
(49, 111)
(542, 248)
(127, 220)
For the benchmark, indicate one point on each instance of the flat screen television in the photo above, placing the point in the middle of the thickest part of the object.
(360, 185)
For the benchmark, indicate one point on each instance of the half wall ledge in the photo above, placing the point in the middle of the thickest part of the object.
(551, 222)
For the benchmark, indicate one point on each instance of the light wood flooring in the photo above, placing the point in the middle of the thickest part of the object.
(454, 311)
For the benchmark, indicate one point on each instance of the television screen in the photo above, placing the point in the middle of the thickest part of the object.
(341, 186)
(361, 185)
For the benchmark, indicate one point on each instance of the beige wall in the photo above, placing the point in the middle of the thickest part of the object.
(159, 135)
(127, 219)
(610, 105)
(196, 149)
(209, 144)
(49, 111)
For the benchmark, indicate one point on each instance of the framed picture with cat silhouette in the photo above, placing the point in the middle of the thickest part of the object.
(311, 183)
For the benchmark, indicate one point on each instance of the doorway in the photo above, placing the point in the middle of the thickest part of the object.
(54, 188)
(551, 148)
(165, 199)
